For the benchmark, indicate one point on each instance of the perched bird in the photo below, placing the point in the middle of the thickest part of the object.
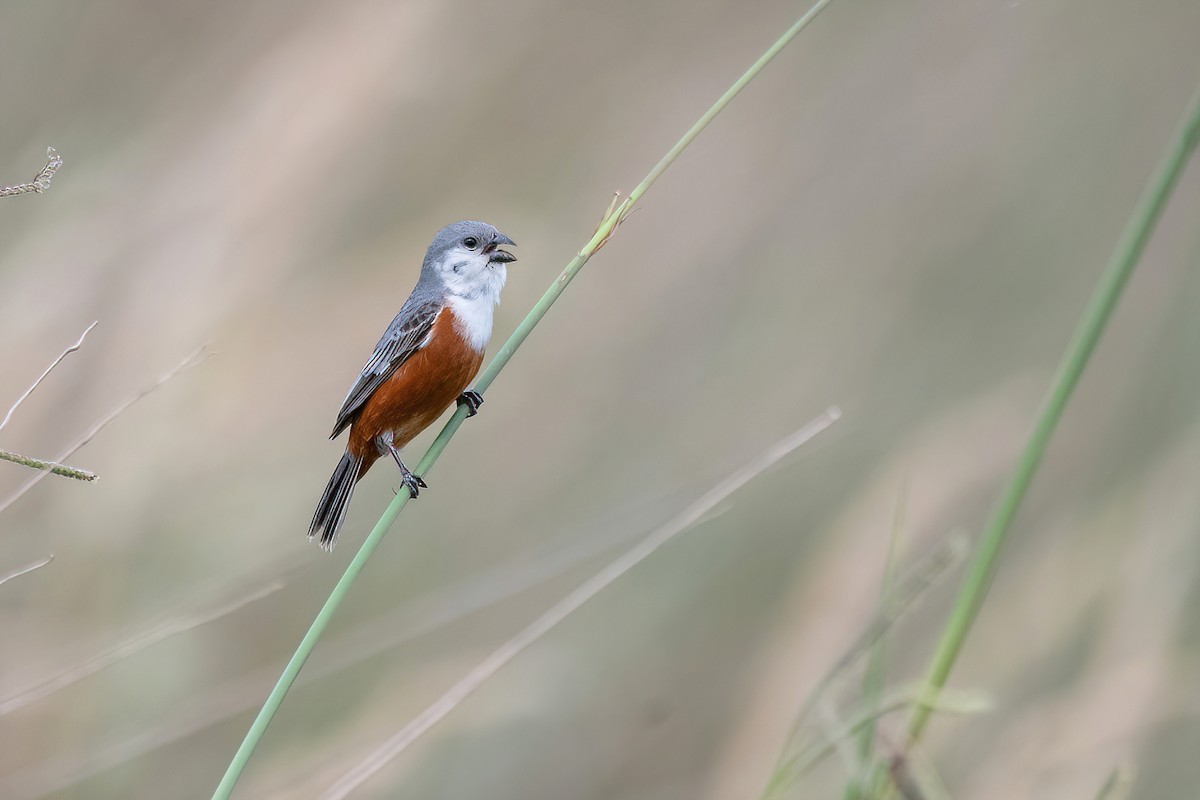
(421, 365)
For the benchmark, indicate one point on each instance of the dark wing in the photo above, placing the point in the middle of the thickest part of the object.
(404, 337)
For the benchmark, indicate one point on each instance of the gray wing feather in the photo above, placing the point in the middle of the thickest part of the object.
(405, 336)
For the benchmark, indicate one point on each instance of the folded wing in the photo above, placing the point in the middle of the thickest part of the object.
(406, 335)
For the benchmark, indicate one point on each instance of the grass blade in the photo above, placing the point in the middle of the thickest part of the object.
(25, 570)
(1119, 784)
(189, 362)
(960, 703)
(932, 567)
(875, 676)
(53, 467)
(1083, 342)
(70, 349)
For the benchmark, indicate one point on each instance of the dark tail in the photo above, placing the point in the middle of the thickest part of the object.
(331, 510)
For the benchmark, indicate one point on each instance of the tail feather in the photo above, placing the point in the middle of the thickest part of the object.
(331, 509)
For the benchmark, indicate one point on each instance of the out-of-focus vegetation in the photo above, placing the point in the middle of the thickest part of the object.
(904, 215)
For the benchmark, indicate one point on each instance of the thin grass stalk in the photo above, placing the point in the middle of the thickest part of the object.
(695, 513)
(962, 703)
(832, 726)
(424, 615)
(53, 681)
(53, 467)
(875, 675)
(25, 570)
(907, 590)
(189, 362)
(1119, 784)
(604, 231)
(1083, 342)
(70, 349)
(916, 772)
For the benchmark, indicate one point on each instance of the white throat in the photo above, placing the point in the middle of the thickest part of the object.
(474, 301)
(473, 317)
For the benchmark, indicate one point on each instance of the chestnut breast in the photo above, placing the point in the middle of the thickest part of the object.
(420, 390)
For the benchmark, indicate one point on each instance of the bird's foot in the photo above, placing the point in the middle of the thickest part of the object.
(408, 479)
(411, 481)
(472, 400)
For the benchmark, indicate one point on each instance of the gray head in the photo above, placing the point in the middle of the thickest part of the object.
(465, 258)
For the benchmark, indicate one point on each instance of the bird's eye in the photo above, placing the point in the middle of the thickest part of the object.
(471, 242)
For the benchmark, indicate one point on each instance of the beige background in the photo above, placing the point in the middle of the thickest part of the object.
(904, 215)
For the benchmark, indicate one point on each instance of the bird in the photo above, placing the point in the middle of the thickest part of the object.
(423, 363)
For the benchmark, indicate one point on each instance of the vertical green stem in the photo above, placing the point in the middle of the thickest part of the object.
(603, 232)
(1095, 317)
(875, 677)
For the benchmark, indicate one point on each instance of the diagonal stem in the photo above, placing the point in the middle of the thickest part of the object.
(53, 467)
(603, 232)
(70, 349)
(598, 582)
(189, 362)
(25, 570)
(1087, 333)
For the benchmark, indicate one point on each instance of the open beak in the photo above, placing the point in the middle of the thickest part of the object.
(500, 256)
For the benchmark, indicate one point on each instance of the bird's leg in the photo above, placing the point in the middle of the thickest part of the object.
(409, 479)
(472, 400)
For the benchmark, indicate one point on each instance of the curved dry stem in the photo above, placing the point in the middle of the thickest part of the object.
(25, 570)
(686, 519)
(192, 360)
(70, 349)
(41, 181)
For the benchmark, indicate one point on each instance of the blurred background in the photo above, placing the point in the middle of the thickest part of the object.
(904, 215)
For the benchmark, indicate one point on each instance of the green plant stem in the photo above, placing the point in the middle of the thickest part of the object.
(1083, 342)
(868, 715)
(875, 676)
(52, 467)
(606, 228)
(1119, 783)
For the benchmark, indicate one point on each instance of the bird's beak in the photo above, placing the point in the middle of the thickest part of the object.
(501, 256)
